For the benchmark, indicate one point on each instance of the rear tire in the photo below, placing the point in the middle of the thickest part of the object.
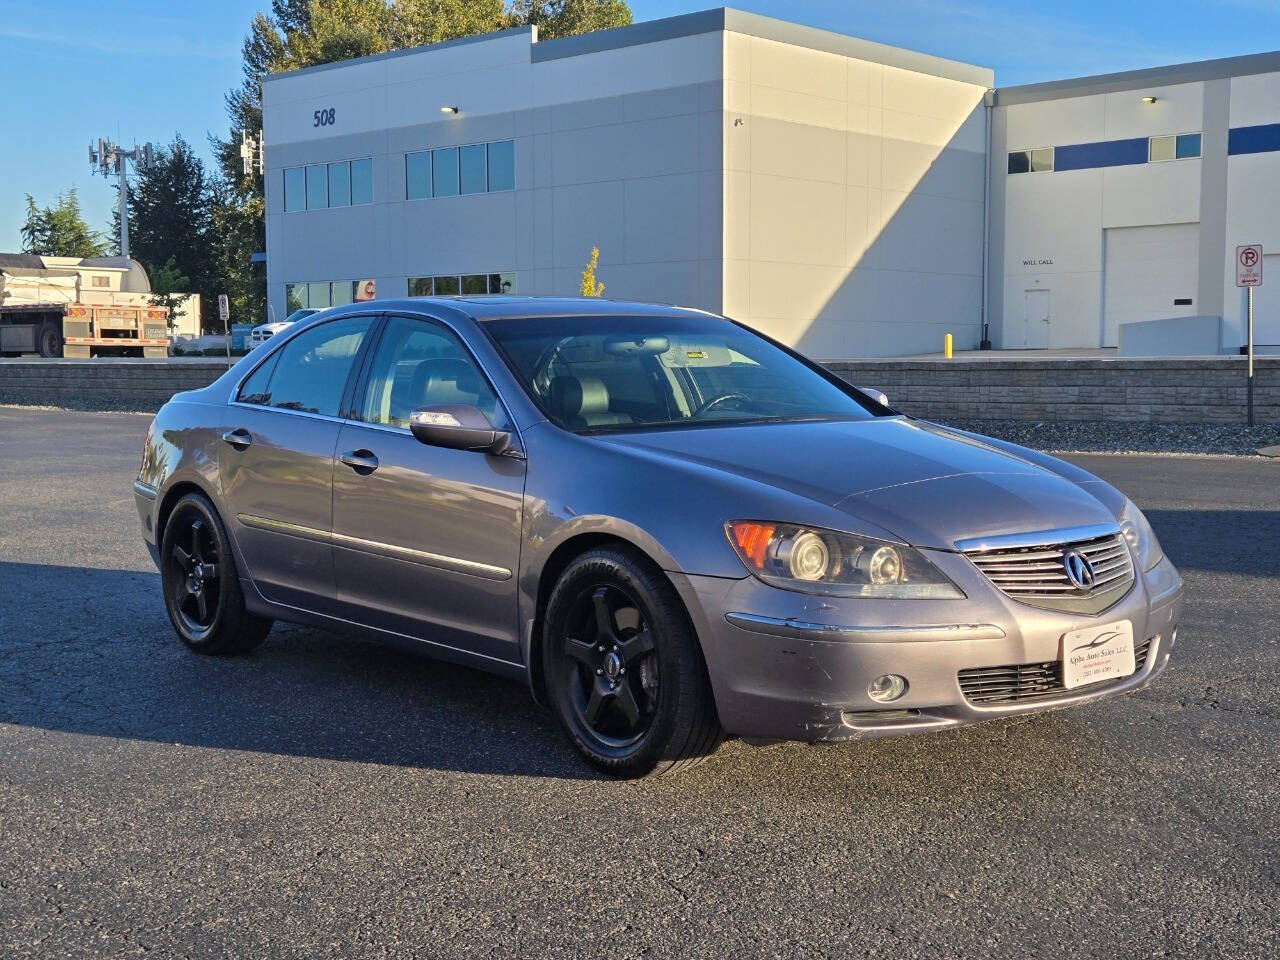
(49, 339)
(623, 668)
(201, 583)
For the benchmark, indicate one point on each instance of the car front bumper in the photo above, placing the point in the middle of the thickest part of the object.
(790, 666)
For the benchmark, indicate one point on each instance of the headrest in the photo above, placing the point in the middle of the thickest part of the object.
(430, 373)
(578, 396)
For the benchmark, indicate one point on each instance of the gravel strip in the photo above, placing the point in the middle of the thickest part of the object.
(1123, 436)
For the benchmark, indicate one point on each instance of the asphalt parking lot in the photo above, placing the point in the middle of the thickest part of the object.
(323, 796)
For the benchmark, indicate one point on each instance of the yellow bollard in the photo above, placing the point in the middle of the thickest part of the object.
(947, 343)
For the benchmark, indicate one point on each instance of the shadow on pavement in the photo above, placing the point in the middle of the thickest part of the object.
(1221, 541)
(92, 652)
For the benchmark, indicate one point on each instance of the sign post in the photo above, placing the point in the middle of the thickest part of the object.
(224, 314)
(1249, 275)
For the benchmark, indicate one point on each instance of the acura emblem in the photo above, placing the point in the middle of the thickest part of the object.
(1079, 570)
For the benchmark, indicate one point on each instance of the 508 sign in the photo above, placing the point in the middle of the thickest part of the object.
(323, 118)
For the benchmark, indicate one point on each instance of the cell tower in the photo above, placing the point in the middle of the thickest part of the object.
(109, 158)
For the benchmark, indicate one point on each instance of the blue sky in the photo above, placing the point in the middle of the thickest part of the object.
(75, 70)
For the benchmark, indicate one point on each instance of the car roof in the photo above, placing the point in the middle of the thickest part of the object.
(504, 307)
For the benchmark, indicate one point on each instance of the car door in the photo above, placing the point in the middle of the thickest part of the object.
(426, 540)
(276, 461)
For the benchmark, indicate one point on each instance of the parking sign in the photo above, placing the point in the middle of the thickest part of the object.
(1249, 265)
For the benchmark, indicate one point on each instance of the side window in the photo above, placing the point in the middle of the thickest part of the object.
(420, 364)
(310, 371)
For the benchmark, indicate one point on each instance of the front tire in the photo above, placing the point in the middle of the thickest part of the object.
(623, 669)
(201, 584)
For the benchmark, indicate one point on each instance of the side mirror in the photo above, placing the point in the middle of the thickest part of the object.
(459, 426)
(879, 396)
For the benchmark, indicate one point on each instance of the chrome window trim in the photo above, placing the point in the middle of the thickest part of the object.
(800, 630)
(1040, 538)
(145, 489)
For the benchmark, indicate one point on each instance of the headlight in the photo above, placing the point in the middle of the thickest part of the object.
(1140, 536)
(814, 560)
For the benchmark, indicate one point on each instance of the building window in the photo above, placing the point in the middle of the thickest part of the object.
(467, 284)
(362, 181)
(1184, 146)
(450, 171)
(1031, 161)
(444, 172)
(319, 185)
(318, 295)
(417, 175)
(472, 170)
(340, 184)
(101, 281)
(295, 189)
(502, 165)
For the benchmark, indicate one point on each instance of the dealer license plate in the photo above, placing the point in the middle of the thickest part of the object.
(1098, 653)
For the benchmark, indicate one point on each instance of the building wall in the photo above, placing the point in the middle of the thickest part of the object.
(1253, 211)
(826, 189)
(853, 200)
(618, 149)
(1127, 242)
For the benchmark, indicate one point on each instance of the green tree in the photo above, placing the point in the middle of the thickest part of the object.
(60, 230)
(590, 287)
(563, 18)
(167, 285)
(169, 219)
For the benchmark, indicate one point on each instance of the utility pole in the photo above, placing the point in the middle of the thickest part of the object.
(109, 158)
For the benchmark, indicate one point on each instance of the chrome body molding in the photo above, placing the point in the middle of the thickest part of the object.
(455, 564)
(281, 526)
(1040, 538)
(144, 490)
(800, 630)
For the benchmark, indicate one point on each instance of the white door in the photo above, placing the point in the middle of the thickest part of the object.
(1035, 320)
(1150, 273)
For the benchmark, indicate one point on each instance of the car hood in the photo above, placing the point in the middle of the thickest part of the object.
(928, 486)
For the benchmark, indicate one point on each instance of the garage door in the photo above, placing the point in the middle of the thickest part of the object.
(1150, 273)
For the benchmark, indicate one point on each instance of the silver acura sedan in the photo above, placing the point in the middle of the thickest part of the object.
(672, 527)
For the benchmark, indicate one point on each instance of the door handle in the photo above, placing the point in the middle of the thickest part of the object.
(361, 461)
(238, 438)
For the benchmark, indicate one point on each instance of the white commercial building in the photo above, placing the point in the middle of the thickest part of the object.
(844, 196)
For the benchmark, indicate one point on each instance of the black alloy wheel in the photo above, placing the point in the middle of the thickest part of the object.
(201, 585)
(623, 669)
(613, 680)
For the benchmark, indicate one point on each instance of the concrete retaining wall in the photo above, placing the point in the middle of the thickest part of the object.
(1178, 390)
(104, 384)
(1170, 390)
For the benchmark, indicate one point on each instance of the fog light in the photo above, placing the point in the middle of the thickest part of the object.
(888, 688)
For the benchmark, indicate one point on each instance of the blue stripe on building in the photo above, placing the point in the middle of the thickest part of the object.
(1260, 139)
(1106, 153)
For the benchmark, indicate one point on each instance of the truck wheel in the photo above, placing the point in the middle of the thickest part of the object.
(201, 584)
(49, 342)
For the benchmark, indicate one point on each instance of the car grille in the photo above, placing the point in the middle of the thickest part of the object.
(1036, 575)
(1025, 682)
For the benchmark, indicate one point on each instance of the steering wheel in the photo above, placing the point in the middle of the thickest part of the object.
(723, 398)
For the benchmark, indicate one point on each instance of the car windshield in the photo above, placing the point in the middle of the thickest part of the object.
(604, 373)
(298, 315)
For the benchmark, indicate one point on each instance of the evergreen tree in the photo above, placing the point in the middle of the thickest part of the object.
(60, 230)
(169, 220)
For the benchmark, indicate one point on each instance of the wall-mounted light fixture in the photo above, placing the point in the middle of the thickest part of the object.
(1148, 100)
(448, 109)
